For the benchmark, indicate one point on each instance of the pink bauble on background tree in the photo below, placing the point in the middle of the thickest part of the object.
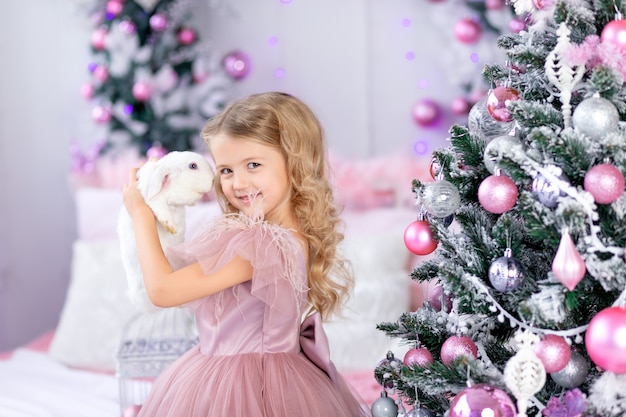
(114, 7)
(605, 339)
(142, 90)
(467, 30)
(98, 39)
(418, 356)
(158, 22)
(186, 36)
(426, 113)
(237, 65)
(156, 151)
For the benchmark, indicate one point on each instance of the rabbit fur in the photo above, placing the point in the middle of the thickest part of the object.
(178, 179)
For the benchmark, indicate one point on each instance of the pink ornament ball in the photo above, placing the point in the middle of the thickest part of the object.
(497, 194)
(128, 27)
(186, 36)
(101, 114)
(516, 25)
(614, 33)
(101, 73)
(605, 339)
(497, 101)
(434, 299)
(554, 352)
(87, 90)
(237, 65)
(114, 7)
(158, 22)
(495, 4)
(457, 346)
(142, 90)
(419, 239)
(605, 182)
(426, 113)
(482, 400)
(418, 356)
(156, 151)
(467, 30)
(98, 39)
(460, 106)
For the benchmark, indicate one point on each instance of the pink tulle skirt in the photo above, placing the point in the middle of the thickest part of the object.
(249, 385)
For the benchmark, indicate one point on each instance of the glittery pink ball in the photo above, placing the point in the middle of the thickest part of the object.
(614, 33)
(419, 356)
(482, 400)
(605, 341)
(467, 30)
(419, 239)
(497, 101)
(457, 346)
(497, 194)
(605, 182)
(554, 352)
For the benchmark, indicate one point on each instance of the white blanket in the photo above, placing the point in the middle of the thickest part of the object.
(34, 385)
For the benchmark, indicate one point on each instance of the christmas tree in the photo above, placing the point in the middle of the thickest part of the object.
(152, 82)
(523, 225)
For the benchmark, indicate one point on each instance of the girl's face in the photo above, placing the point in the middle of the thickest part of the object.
(253, 178)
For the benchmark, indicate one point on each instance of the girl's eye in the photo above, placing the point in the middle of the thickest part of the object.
(253, 165)
(225, 171)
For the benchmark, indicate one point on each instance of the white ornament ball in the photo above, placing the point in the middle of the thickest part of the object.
(595, 117)
(441, 198)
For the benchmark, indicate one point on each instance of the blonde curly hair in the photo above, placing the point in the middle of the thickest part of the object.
(286, 123)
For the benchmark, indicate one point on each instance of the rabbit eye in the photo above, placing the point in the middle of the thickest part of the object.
(193, 165)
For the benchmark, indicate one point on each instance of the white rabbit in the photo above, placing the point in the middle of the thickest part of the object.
(178, 179)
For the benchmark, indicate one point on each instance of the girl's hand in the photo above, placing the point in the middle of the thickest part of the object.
(133, 200)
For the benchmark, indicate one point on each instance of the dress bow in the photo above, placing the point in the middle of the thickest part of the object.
(314, 345)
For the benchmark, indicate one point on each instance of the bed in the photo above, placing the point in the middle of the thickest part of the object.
(70, 370)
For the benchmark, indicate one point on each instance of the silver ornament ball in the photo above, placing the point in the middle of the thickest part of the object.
(441, 198)
(420, 412)
(574, 373)
(546, 192)
(595, 117)
(496, 146)
(384, 406)
(482, 124)
(506, 273)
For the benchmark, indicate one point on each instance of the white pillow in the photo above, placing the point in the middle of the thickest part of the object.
(96, 307)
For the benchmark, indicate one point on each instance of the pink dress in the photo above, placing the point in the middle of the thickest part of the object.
(256, 357)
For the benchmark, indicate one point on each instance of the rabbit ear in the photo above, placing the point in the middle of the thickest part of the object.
(159, 179)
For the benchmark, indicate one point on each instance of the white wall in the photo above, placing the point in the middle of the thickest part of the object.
(345, 58)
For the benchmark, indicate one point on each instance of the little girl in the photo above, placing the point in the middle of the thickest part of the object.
(253, 274)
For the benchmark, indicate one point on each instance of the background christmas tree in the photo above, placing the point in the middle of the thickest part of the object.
(525, 222)
(152, 81)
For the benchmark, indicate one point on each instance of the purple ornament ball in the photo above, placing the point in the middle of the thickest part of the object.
(605, 340)
(237, 65)
(457, 346)
(605, 182)
(419, 239)
(497, 194)
(419, 356)
(482, 400)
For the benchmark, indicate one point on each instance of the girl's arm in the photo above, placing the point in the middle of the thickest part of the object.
(166, 287)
